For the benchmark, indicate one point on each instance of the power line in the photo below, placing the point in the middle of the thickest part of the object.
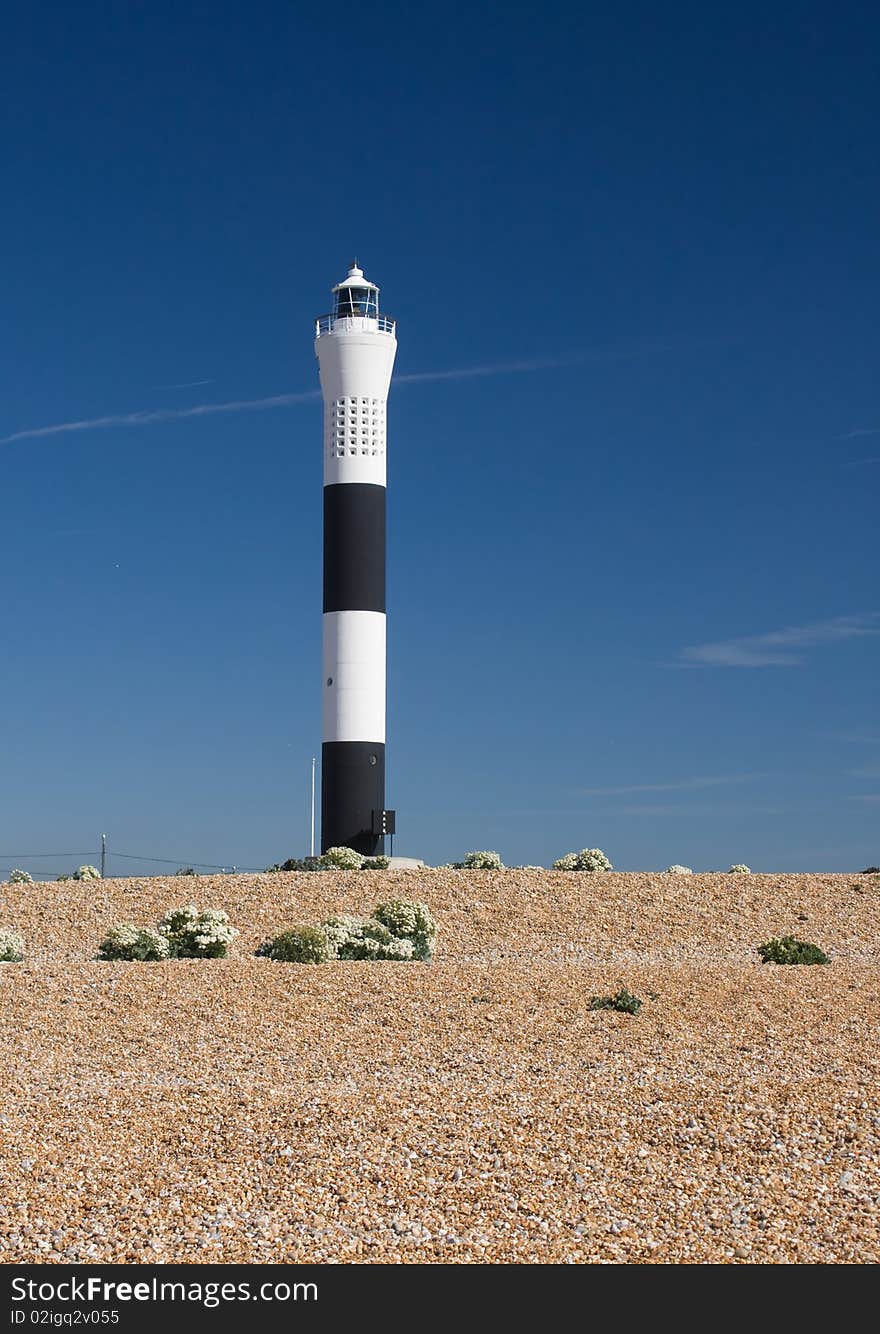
(178, 861)
(16, 857)
(168, 861)
(12, 855)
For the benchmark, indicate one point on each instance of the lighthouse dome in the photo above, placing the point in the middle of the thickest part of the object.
(355, 296)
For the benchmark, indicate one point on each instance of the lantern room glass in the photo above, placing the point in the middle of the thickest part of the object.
(362, 302)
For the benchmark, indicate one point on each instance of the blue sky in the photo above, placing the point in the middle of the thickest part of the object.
(634, 439)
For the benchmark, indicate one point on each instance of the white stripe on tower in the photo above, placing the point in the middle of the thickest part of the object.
(355, 346)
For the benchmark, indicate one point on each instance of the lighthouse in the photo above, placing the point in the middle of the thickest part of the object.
(355, 347)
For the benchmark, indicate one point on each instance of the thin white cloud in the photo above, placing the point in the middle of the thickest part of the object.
(187, 384)
(151, 417)
(685, 785)
(779, 648)
(858, 463)
(869, 737)
(859, 431)
(517, 367)
(727, 809)
(869, 798)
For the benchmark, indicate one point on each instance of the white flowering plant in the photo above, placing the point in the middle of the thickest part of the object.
(86, 873)
(588, 859)
(192, 934)
(675, 869)
(341, 859)
(408, 920)
(20, 877)
(482, 861)
(299, 944)
(134, 944)
(740, 869)
(398, 930)
(340, 929)
(11, 947)
(364, 938)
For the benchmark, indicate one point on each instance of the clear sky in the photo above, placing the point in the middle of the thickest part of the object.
(634, 438)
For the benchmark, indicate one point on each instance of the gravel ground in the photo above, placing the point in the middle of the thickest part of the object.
(472, 1110)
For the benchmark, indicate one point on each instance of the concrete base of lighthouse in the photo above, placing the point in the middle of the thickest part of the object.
(352, 787)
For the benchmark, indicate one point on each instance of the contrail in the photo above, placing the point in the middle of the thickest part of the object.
(187, 384)
(150, 417)
(161, 415)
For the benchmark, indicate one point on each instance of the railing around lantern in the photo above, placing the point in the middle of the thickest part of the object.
(325, 324)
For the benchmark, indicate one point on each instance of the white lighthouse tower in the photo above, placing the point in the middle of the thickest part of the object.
(355, 347)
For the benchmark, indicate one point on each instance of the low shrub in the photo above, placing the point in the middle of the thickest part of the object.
(588, 859)
(786, 949)
(399, 930)
(186, 870)
(11, 947)
(357, 938)
(197, 935)
(297, 864)
(340, 930)
(299, 944)
(740, 869)
(20, 877)
(679, 870)
(133, 943)
(407, 920)
(623, 1001)
(870, 870)
(482, 861)
(341, 859)
(86, 873)
(380, 863)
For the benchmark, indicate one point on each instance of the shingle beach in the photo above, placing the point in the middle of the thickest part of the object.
(470, 1110)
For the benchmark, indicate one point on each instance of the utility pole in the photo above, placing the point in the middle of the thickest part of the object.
(312, 839)
(103, 854)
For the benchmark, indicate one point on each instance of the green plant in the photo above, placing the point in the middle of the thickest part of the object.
(356, 938)
(87, 873)
(341, 859)
(19, 877)
(588, 859)
(197, 935)
(786, 949)
(740, 869)
(133, 943)
(186, 870)
(407, 920)
(870, 870)
(380, 863)
(299, 944)
(482, 861)
(11, 947)
(623, 1001)
(297, 864)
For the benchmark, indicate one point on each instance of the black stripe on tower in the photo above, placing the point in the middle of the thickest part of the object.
(352, 787)
(354, 547)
